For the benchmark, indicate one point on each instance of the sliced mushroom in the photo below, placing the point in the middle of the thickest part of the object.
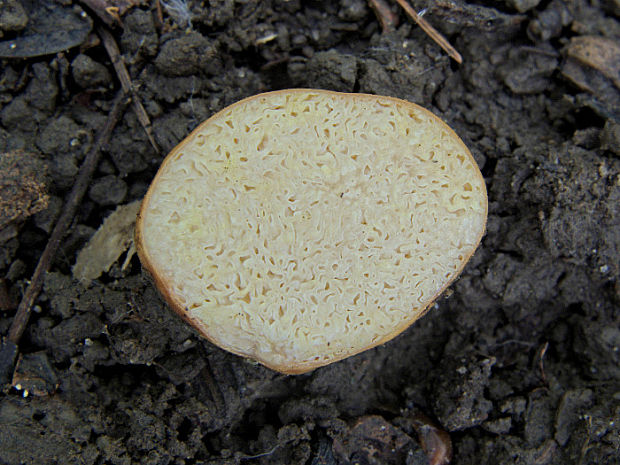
(301, 227)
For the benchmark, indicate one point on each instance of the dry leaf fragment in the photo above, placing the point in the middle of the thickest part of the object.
(34, 374)
(593, 65)
(113, 238)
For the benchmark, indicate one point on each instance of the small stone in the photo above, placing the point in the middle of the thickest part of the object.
(64, 169)
(187, 55)
(56, 137)
(330, 70)
(550, 22)
(13, 17)
(18, 114)
(87, 73)
(17, 270)
(42, 90)
(108, 190)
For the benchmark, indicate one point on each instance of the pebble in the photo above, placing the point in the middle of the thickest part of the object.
(13, 17)
(108, 190)
(87, 73)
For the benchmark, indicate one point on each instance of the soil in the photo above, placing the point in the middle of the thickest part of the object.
(518, 364)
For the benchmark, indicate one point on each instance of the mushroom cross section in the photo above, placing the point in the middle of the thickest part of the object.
(300, 227)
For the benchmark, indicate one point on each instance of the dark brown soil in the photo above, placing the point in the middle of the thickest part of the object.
(518, 364)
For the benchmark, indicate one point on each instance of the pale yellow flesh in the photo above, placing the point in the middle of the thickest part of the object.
(300, 227)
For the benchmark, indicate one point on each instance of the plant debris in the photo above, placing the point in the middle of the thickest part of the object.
(110, 241)
(51, 28)
(593, 64)
(34, 375)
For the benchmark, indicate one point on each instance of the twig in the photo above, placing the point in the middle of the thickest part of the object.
(386, 16)
(159, 17)
(73, 201)
(431, 31)
(123, 76)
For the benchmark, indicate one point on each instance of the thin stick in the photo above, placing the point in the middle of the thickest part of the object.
(123, 76)
(91, 161)
(160, 16)
(431, 31)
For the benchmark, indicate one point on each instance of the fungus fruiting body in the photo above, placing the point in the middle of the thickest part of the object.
(300, 227)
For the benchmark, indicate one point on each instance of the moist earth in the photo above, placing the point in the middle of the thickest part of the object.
(517, 363)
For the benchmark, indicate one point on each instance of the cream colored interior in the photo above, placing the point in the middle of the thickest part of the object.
(301, 227)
